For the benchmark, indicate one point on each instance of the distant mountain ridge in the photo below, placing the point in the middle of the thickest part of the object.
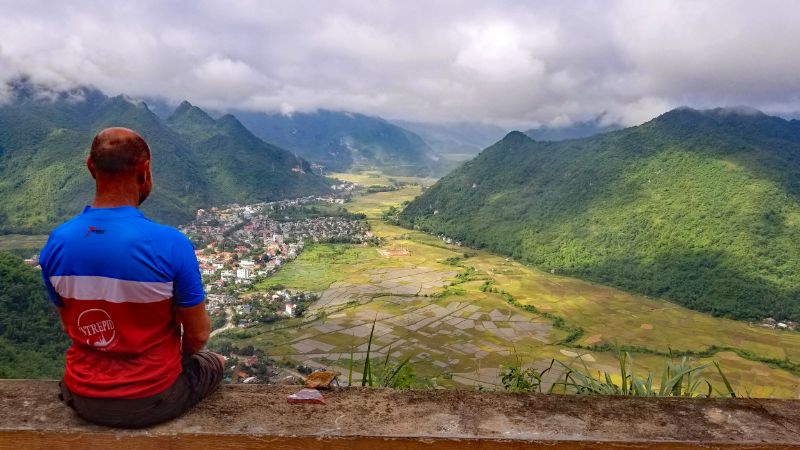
(577, 130)
(701, 207)
(461, 138)
(343, 141)
(197, 161)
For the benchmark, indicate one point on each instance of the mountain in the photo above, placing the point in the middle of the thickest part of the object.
(576, 130)
(701, 207)
(240, 166)
(32, 344)
(44, 141)
(343, 141)
(458, 140)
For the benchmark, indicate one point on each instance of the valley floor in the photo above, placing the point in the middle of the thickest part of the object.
(428, 305)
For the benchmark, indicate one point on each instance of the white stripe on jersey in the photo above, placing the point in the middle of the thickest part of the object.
(111, 289)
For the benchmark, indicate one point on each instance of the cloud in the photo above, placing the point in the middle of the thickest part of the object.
(506, 62)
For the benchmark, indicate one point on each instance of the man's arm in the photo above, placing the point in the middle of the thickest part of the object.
(196, 327)
(189, 298)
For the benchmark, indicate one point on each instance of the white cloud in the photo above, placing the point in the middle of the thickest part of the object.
(499, 52)
(514, 63)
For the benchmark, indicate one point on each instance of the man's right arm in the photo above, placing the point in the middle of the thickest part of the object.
(44, 257)
(196, 327)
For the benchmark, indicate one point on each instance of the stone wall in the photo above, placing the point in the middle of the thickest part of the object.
(257, 416)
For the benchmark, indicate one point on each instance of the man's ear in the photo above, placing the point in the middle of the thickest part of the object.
(90, 166)
(143, 171)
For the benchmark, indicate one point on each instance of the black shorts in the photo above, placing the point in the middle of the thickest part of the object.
(201, 376)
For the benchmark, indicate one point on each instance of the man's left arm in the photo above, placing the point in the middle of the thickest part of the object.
(196, 327)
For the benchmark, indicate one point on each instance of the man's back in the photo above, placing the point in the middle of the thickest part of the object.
(130, 296)
(118, 277)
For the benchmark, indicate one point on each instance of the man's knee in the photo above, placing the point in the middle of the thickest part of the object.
(211, 360)
(209, 368)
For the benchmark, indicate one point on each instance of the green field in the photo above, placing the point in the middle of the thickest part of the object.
(371, 177)
(22, 241)
(464, 337)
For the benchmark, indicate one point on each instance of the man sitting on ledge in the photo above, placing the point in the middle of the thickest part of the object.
(124, 287)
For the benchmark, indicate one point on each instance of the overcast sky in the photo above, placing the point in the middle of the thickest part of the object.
(510, 63)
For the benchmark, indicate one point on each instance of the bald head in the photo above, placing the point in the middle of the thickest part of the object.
(117, 151)
(120, 165)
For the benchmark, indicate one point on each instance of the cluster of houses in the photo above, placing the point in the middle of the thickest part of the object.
(240, 244)
(258, 307)
(771, 323)
(327, 229)
(449, 240)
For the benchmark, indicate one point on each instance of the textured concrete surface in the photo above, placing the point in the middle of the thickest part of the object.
(252, 416)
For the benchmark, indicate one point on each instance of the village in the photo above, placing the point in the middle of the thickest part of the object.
(239, 246)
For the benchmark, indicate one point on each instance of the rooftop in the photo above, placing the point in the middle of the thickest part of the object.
(252, 416)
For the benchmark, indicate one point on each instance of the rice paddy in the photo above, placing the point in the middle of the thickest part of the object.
(458, 334)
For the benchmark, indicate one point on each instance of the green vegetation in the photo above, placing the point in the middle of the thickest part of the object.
(44, 144)
(344, 141)
(698, 207)
(516, 378)
(218, 320)
(546, 308)
(32, 344)
(21, 244)
(399, 375)
(681, 379)
(320, 265)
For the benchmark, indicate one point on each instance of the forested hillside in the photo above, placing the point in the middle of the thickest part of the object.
(45, 138)
(700, 207)
(344, 141)
(32, 344)
(239, 166)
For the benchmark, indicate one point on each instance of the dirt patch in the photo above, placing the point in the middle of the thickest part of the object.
(593, 339)
(394, 252)
(647, 326)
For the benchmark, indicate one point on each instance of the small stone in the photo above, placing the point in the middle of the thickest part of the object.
(320, 380)
(290, 380)
(311, 396)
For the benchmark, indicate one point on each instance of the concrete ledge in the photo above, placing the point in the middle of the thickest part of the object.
(252, 416)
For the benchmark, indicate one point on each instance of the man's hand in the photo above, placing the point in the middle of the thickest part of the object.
(196, 327)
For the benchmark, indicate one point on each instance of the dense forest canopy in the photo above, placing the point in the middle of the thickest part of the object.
(32, 344)
(700, 207)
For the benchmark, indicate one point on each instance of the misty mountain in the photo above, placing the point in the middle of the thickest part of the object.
(701, 207)
(576, 130)
(344, 141)
(197, 161)
(458, 140)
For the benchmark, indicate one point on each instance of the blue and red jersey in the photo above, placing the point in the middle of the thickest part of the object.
(118, 277)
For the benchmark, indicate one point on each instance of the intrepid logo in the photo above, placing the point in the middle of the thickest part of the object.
(98, 328)
(95, 230)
